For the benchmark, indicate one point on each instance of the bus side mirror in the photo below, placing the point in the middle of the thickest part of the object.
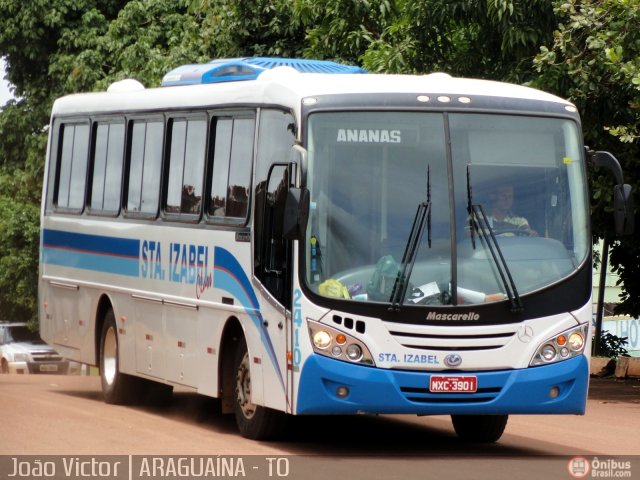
(296, 213)
(623, 215)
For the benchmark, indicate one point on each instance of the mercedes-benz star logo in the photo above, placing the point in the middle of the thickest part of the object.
(525, 333)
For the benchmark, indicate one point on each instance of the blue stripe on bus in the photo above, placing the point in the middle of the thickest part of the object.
(230, 276)
(91, 252)
(121, 256)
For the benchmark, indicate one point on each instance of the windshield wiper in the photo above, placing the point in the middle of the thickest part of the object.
(479, 224)
(409, 257)
(421, 219)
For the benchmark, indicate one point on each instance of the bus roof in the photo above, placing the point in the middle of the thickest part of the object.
(286, 87)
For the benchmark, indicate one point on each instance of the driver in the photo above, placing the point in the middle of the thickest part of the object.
(502, 219)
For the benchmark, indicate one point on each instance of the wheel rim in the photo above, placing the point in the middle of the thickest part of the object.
(109, 355)
(243, 388)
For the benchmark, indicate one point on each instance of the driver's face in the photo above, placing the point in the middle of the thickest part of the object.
(502, 198)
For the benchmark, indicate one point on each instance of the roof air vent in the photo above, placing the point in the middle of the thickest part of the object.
(248, 68)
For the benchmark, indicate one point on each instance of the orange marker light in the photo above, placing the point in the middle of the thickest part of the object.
(561, 340)
(341, 339)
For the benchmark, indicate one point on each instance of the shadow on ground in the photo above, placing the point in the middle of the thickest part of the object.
(612, 389)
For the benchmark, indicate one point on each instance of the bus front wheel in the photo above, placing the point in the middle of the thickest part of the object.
(254, 421)
(479, 428)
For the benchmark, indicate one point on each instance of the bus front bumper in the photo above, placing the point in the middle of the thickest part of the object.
(559, 388)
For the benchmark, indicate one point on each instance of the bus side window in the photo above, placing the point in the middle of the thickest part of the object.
(71, 172)
(186, 165)
(144, 166)
(232, 139)
(106, 174)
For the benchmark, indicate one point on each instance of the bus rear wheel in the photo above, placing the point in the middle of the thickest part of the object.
(479, 428)
(254, 421)
(118, 388)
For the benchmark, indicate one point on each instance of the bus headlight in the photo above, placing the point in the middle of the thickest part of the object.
(548, 353)
(563, 346)
(576, 341)
(335, 344)
(321, 340)
(354, 352)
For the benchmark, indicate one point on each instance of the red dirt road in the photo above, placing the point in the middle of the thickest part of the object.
(65, 415)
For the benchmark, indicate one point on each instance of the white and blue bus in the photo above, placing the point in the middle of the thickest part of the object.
(300, 237)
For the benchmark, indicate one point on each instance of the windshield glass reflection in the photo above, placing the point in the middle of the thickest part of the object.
(369, 173)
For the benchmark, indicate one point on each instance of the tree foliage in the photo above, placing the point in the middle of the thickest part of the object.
(19, 236)
(589, 54)
(230, 28)
(493, 39)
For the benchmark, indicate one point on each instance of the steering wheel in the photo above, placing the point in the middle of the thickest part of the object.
(518, 232)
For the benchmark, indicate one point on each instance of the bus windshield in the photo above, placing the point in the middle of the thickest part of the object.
(465, 208)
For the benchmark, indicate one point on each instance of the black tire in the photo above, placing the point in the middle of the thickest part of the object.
(118, 388)
(479, 428)
(254, 421)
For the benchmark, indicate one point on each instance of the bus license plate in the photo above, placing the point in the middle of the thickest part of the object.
(48, 368)
(450, 384)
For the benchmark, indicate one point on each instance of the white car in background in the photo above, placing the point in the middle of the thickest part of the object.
(23, 351)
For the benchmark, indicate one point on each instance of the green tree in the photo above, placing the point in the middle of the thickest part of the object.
(30, 33)
(494, 39)
(19, 235)
(146, 40)
(55, 48)
(228, 28)
(343, 30)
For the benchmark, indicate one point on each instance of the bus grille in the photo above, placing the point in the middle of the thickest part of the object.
(423, 395)
(452, 338)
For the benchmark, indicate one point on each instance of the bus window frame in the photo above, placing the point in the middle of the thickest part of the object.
(130, 122)
(232, 114)
(95, 123)
(58, 130)
(169, 118)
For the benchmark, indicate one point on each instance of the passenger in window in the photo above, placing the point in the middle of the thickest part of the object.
(190, 202)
